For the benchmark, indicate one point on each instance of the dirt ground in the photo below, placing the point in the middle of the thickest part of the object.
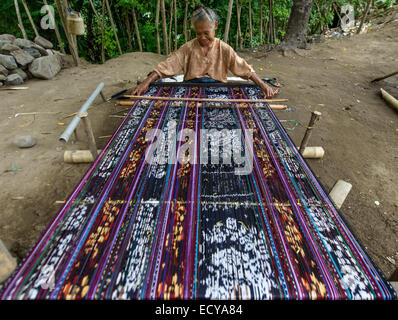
(358, 130)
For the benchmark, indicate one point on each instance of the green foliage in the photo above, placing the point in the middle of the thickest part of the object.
(322, 17)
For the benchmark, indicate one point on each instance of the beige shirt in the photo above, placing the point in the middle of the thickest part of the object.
(190, 60)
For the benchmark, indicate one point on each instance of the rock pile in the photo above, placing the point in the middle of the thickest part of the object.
(22, 59)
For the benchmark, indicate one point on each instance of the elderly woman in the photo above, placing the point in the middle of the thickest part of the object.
(204, 59)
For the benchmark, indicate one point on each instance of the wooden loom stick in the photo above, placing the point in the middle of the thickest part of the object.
(204, 99)
(272, 106)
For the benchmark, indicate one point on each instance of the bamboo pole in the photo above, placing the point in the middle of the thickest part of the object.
(113, 26)
(59, 39)
(202, 99)
(250, 24)
(239, 31)
(103, 32)
(228, 22)
(385, 77)
(20, 24)
(164, 26)
(171, 24)
(175, 26)
(67, 34)
(137, 30)
(30, 18)
(157, 25)
(389, 98)
(261, 22)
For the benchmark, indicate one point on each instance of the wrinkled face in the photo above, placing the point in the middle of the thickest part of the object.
(205, 32)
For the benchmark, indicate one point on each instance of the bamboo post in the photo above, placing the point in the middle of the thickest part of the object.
(250, 24)
(171, 24)
(20, 24)
(164, 25)
(61, 46)
(157, 25)
(103, 32)
(315, 115)
(90, 135)
(68, 37)
(364, 16)
(261, 22)
(228, 22)
(389, 98)
(137, 31)
(30, 18)
(175, 26)
(113, 26)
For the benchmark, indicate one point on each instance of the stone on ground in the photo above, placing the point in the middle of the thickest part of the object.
(33, 52)
(43, 42)
(19, 71)
(8, 37)
(22, 57)
(4, 42)
(3, 71)
(45, 67)
(8, 48)
(24, 141)
(14, 79)
(8, 62)
(7, 263)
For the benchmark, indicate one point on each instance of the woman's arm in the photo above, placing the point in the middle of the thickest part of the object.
(143, 86)
(267, 90)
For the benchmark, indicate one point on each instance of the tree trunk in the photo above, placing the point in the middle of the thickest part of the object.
(128, 26)
(186, 21)
(61, 46)
(228, 23)
(364, 16)
(30, 18)
(297, 27)
(239, 31)
(113, 26)
(157, 25)
(137, 30)
(164, 27)
(20, 24)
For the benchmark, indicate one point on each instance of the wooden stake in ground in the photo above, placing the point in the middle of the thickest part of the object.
(164, 26)
(157, 25)
(20, 24)
(90, 135)
(113, 26)
(137, 31)
(315, 115)
(60, 44)
(228, 22)
(364, 16)
(30, 18)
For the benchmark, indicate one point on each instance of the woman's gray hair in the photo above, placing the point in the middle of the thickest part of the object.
(204, 13)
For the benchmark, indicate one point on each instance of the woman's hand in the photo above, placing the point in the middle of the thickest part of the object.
(267, 90)
(140, 89)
